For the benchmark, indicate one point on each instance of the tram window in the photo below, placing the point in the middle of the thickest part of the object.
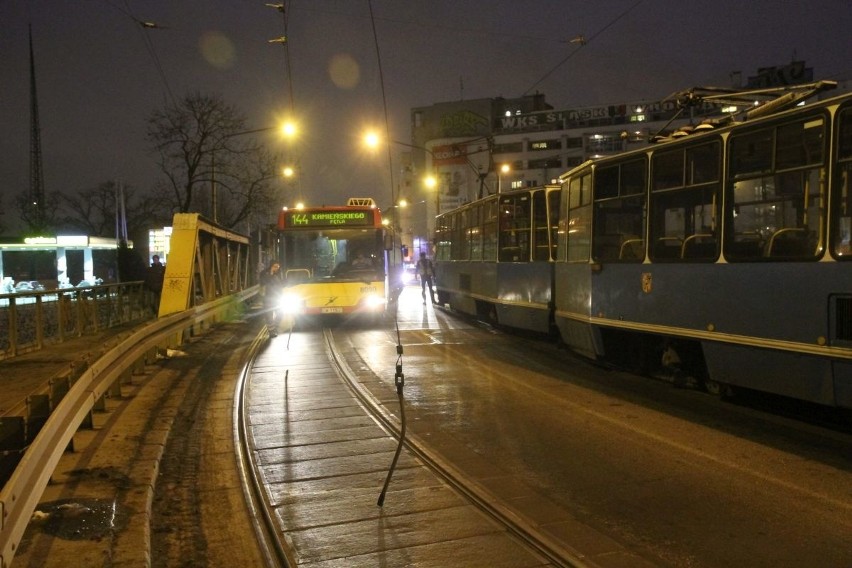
(778, 214)
(489, 230)
(842, 241)
(619, 213)
(580, 191)
(799, 144)
(633, 179)
(606, 182)
(668, 170)
(515, 226)
(541, 227)
(844, 135)
(842, 203)
(457, 241)
(474, 232)
(576, 222)
(452, 235)
(683, 204)
(777, 217)
(619, 229)
(553, 220)
(751, 153)
(461, 247)
(683, 224)
(702, 163)
(442, 235)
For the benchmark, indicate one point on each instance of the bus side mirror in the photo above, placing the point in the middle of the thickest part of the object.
(388, 241)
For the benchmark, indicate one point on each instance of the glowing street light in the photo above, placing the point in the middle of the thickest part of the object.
(504, 169)
(289, 129)
(372, 140)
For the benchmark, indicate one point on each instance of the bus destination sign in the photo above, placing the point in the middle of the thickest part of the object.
(327, 218)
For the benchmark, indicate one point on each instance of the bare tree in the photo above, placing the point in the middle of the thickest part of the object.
(39, 220)
(206, 150)
(246, 188)
(93, 211)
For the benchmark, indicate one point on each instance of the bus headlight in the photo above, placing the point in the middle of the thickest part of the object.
(291, 303)
(374, 302)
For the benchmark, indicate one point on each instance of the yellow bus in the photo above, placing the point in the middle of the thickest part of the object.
(333, 260)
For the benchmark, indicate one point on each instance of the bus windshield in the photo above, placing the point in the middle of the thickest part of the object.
(340, 255)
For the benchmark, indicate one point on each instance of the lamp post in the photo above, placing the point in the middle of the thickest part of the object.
(373, 140)
(288, 130)
(504, 169)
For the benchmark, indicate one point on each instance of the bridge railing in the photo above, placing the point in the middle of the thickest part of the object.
(65, 412)
(33, 320)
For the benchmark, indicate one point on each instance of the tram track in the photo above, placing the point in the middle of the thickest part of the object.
(285, 524)
(280, 551)
(453, 476)
(274, 551)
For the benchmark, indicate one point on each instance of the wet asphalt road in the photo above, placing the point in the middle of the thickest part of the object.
(676, 475)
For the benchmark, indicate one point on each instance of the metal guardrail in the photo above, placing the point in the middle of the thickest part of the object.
(20, 495)
(32, 320)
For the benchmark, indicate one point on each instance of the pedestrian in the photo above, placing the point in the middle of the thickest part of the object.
(271, 285)
(426, 271)
(154, 280)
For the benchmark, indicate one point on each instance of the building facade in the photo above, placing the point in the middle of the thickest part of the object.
(476, 148)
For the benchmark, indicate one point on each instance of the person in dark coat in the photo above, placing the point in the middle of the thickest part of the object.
(154, 279)
(426, 272)
(271, 284)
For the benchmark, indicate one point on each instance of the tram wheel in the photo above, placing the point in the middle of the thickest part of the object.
(716, 388)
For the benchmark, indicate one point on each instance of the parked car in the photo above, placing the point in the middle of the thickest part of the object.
(90, 283)
(29, 286)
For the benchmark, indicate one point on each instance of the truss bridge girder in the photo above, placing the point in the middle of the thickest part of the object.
(205, 263)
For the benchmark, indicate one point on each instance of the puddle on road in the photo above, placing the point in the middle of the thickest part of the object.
(80, 519)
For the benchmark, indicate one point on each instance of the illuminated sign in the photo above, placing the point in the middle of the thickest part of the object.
(40, 240)
(72, 240)
(449, 154)
(334, 218)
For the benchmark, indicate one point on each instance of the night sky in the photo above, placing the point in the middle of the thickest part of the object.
(100, 74)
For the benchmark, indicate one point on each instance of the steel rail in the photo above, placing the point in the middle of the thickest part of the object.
(274, 551)
(523, 528)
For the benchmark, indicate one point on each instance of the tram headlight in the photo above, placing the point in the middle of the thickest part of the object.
(291, 303)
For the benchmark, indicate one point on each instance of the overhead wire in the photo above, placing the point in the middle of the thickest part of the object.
(284, 40)
(583, 43)
(399, 376)
(143, 26)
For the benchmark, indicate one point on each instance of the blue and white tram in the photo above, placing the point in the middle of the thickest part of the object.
(494, 258)
(726, 254)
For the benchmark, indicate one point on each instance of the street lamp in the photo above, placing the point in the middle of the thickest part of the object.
(288, 129)
(430, 184)
(504, 169)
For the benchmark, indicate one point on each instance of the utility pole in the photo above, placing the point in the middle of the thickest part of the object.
(36, 177)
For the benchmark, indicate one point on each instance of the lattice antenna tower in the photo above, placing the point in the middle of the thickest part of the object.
(36, 177)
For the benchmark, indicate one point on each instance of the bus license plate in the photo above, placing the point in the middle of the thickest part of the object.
(332, 310)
